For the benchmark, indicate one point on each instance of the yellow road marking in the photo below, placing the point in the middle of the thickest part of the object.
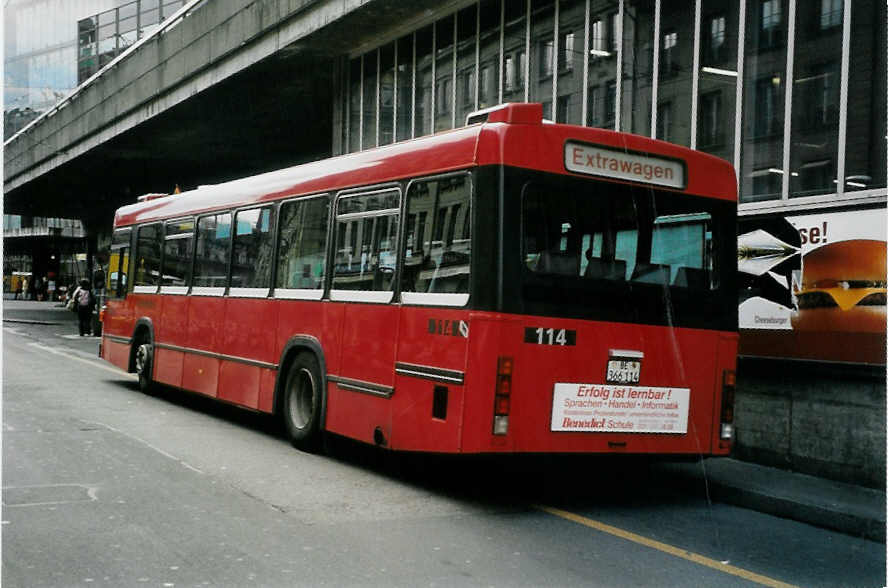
(665, 547)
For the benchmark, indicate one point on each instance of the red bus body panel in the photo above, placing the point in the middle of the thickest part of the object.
(677, 358)
(232, 348)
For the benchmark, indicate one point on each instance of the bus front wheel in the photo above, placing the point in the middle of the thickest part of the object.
(144, 358)
(302, 402)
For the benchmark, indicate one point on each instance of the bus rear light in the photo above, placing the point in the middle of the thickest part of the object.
(502, 396)
(729, 380)
(502, 405)
(504, 386)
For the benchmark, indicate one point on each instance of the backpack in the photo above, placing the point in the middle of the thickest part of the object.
(83, 299)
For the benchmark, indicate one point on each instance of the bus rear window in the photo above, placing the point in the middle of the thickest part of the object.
(618, 233)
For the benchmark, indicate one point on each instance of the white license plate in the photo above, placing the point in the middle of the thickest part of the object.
(623, 371)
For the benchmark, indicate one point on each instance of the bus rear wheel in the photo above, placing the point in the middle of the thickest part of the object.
(143, 361)
(302, 402)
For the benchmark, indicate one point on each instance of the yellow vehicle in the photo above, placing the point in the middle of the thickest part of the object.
(115, 283)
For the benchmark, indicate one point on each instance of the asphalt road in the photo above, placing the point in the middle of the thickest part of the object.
(103, 485)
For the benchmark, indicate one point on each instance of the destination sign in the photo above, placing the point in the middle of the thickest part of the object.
(634, 167)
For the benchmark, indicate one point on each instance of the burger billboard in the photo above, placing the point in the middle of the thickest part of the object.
(821, 297)
(843, 288)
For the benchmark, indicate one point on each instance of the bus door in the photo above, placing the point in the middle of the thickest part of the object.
(118, 318)
(363, 274)
(434, 323)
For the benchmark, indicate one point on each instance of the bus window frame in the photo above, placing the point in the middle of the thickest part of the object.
(217, 291)
(148, 289)
(304, 293)
(250, 292)
(455, 300)
(370, 296)
(177, 290)
(119, 292)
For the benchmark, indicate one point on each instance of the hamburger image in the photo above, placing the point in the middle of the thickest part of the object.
(843, 288)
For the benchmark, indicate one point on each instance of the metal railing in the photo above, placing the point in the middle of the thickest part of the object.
(172, 21)
(103, 36)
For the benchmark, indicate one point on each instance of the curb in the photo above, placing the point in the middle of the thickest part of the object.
(818, 516)
(838, 506)
(31, 322)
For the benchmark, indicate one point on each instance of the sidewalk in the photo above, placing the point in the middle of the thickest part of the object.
(846, 508)
(37, 312)
(850, 509)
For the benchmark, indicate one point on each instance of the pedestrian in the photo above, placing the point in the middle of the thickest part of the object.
(83, 303)
(99, 276)
(25, 288)
(18, 289)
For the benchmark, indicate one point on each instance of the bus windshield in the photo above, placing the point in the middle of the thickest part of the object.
(610, 243)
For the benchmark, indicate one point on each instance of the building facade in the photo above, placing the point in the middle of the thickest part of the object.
(792, 93)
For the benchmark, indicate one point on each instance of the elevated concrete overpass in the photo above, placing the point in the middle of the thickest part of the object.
(225, 88)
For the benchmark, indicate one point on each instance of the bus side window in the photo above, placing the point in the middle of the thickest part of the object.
(149, 242)
(177, 253)
(211, 250)
(438, 247)
(302, 245)
(118, 263)
(367, 232)
(253, 246)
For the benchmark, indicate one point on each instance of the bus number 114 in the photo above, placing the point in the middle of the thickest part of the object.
(549, 336)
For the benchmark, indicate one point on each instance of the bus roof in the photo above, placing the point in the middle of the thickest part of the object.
(513, 134)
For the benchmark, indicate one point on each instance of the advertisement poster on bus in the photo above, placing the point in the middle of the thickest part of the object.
(813, 287)
(616, 408)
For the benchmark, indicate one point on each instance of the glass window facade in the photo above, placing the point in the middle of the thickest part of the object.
(786, 90)
(466, 64)
(717, 82)
(41, 54)
(444, 73)
(637, 69)
(387, 94)
(864, 154)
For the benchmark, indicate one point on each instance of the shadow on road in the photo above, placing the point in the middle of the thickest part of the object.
(567, 480)
(499, 480)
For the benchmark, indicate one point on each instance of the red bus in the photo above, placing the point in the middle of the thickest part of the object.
(509, 286)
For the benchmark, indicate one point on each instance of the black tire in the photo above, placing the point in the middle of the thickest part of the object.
(301, 407)
(144, 364)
